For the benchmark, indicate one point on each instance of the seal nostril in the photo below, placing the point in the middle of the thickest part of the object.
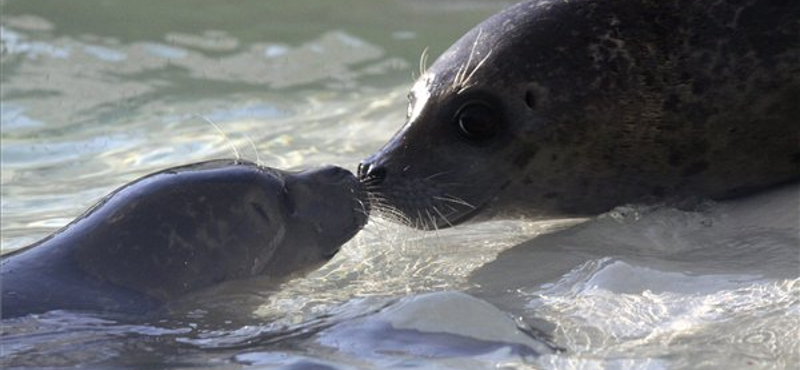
(371, 174)
(530, 99)
(362, 170)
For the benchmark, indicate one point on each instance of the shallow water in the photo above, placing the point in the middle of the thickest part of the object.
(97, 93)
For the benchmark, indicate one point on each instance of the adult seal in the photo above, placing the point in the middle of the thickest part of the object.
(184, 229)
(573, 107)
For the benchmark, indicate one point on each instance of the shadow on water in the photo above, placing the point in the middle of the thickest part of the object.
(715, 284)
(757, 236)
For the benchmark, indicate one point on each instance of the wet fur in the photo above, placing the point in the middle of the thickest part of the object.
(603, 103)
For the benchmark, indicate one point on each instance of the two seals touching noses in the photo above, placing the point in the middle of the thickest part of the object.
(573, 107)
(184, 229)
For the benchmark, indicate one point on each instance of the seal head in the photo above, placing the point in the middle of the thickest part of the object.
(184, 229)
(554, 108)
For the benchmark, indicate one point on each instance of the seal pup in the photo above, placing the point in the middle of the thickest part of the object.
(573, 107)
(184, 229)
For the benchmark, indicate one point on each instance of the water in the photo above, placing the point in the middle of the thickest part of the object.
(96, 93)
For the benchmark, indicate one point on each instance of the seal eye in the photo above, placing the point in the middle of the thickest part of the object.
(476, 121)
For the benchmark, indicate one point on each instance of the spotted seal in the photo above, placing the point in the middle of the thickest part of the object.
(573, 107)
(184, 229)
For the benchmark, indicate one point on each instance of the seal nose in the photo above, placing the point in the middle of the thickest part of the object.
(334, 173)
(371, 174)
(326, 174)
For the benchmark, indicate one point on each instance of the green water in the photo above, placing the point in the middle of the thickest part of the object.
(97, 93)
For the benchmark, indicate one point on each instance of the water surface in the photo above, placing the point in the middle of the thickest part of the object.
(96, 93)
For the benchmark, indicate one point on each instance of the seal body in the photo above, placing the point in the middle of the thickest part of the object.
(181, 230)
(573, 107)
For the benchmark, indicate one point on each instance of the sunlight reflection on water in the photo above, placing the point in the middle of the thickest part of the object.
(89, 104)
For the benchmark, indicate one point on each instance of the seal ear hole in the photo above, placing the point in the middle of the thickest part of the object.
(530, 99)
(476, 120)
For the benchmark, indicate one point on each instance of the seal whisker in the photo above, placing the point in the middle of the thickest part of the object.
(224, 135)
(421, 223)
(453, 184)
(436, 174)
(453, 199)
(379, 203)
(472, 52)
(451, 208)
(461, 76)
(423, 61)
(442, 216)
(457, 78)
(395, 214)
(382, 207)
(376, 199)
(378, 225)
(463, 85)
(391, 218)
(255, 149)
(433, 221)
(363, 208)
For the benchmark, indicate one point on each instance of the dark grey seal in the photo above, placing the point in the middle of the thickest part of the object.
(184, 229)
(573, 107)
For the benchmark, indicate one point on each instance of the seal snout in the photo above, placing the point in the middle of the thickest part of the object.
(328, 174)
(331, 199)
